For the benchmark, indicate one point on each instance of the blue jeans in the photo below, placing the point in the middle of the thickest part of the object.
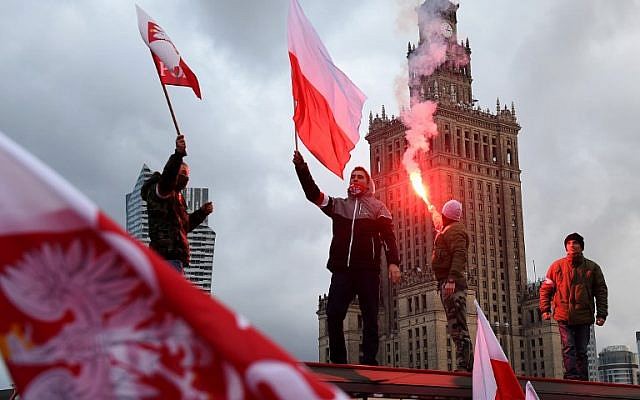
(177, 265)
(575, 339)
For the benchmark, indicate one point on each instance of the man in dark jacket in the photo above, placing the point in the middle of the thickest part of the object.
(169, 221)
(361, 223)
(449, 263)
(568, 291)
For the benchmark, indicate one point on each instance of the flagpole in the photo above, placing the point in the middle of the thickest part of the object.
(295, 131)
(166, 96)
(173, 115)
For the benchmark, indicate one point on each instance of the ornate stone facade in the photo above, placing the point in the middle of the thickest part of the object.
(473, 159)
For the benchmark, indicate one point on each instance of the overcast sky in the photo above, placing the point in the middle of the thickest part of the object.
(79, 90)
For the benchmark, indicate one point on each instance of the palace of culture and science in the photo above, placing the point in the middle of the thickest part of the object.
(473, 159)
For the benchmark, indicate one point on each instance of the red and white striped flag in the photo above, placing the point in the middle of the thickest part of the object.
(171, 67)
(328, 106)
(493, 378)
(90, 313)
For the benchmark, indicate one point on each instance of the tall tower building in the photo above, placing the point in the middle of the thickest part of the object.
(473, 159)
(201, 240)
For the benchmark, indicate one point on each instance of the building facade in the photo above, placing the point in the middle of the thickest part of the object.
(201, 240)
(473, 159)
(617, 364)
(542, 350)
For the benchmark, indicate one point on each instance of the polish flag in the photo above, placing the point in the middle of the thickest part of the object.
(531, 392)
(328, 106)
(90, 313)
(493, 378)
(171, 67)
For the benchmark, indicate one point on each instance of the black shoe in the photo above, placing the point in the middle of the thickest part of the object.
(369, 362)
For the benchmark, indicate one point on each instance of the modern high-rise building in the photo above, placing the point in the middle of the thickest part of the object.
(473, 159)
(201, 240)
(592, 355)
(617, 364)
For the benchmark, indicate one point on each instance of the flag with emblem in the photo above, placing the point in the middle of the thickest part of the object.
(90, 313)
(172, 68)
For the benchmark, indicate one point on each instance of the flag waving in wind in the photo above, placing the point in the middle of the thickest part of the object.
(493, 378)
(171, 67)
(90, 313)
(328, 106)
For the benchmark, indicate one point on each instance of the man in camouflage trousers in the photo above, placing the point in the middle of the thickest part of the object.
(169, 222)
(449, 263)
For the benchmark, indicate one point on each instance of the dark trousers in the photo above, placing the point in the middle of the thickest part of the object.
(344, 286)
(575, 339)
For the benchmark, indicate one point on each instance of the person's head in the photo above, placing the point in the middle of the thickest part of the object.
(183, 177)
(360, 181)
(574, 243)
(359, 175)
(451, 211)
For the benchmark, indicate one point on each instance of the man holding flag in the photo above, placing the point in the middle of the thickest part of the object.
(360, 224)
(169, 222)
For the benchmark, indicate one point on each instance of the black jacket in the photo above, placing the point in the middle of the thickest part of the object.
(169, 222)
(360, 225)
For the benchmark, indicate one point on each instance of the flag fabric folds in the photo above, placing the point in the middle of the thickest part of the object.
(493, 378)
(531, 392)
(328, 106)
(89, 312)
(171, 67)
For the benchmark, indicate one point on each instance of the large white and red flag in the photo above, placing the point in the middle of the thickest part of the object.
(90, 313)
(493, 378)
(328, 106)
(171, 67)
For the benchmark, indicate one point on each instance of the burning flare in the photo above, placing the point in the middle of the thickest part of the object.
(422, 191)
(420, 188)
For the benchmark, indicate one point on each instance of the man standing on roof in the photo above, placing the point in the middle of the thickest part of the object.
(361, 224)
(449, 263)
(169, 222)
(568, 292)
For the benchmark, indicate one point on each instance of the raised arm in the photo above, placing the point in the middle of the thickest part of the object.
(167, 183)
(311, 190)
(196, 217)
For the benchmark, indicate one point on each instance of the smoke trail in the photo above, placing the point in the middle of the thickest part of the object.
(433, 50)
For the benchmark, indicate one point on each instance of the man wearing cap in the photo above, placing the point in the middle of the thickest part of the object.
(568, 292)
(449, 263)
(361, 225)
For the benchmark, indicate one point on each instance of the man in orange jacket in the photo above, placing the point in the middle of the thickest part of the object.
(568, 291)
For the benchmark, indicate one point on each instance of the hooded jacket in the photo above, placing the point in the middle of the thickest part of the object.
(361, 224)
(570, 288)
(169, 222)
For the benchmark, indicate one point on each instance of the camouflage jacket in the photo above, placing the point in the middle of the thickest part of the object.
(449, 258)
(169, 221)
(571, 288)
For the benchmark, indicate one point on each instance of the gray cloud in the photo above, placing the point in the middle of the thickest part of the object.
(82, 96)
